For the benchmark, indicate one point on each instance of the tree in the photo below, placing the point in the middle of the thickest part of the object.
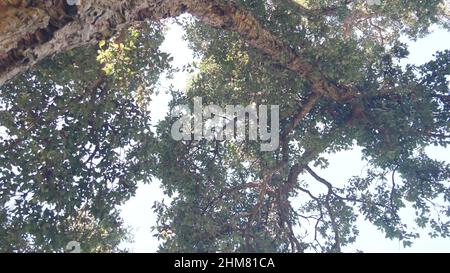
(76, 143)
(332, 67)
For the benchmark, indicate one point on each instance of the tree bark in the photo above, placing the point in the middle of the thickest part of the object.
(31, 32)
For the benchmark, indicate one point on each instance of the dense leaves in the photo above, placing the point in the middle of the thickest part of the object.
(75, 142)
(76, 136)
(232, 197)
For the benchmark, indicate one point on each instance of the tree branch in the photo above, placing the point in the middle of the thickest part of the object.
(101, 19)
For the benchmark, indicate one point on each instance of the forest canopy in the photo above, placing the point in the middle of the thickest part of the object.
(76, 133)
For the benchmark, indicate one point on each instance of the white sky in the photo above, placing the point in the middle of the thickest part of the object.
(138, 213)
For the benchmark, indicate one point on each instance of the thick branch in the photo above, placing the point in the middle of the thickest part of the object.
(101, 19)
(305, 110)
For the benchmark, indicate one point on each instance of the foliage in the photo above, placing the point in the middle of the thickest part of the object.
(223, 200)
(76, 142)
(77, 137)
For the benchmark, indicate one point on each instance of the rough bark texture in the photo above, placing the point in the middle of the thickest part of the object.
(32, 32)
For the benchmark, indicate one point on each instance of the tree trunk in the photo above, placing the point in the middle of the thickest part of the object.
(31, 32)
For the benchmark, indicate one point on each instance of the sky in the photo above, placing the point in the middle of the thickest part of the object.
(139, 216)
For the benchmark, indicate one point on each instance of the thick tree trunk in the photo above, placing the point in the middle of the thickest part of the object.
(32, 32)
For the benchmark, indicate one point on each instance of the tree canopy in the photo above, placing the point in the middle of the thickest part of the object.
(76, 135)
